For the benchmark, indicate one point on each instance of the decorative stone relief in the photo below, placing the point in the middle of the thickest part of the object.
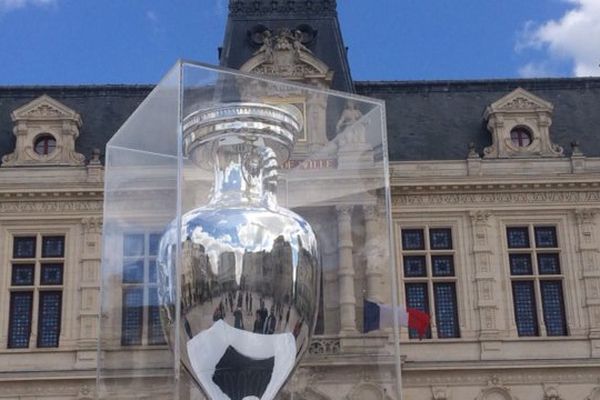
(495, 391)
(44, 207)
(595, 395)
(264, 8)
(440, 393)
(366, 391)
(324, 346)
(46, 131)
(485, 281)
(496, 198)
(551, 392)
(85, 393)
(519, 123)
(284, 54)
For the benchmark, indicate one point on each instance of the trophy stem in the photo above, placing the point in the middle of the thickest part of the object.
(245, 173)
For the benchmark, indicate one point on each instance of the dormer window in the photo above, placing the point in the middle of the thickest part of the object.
(45, 132)
(44, 144)
(520, 126)
(520, 136)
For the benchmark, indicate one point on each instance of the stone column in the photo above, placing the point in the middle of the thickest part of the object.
(485, 285)
(373, 253)
(89, 290)
(346, 271)
(588, 250)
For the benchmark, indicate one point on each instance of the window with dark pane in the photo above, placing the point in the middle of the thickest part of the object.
(24, 247)
(414, 266)
(133, 271)
(545, 236)
(554, 308)
(525, 308)
(541, 259)
(53, 246)
(141, 324)
(548, 264)
(440, 238)
(518, 238)
(49, 318)
(19, 325)
(133, 245)
(417, 297)
(153, 242)
(132, 316)
(442, 265)
(155, 332)
(413, 239)
(446, 310)
(520, 264)
(152, 278)
(23, 274)
(51, 274)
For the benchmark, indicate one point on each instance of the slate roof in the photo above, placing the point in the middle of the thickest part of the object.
(429, 120)
(436, 120)
(103, 109)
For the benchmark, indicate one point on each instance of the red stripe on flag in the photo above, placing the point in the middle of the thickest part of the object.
(418, 320)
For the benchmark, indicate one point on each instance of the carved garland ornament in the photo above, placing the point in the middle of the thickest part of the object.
(498, 198)
(44, 207)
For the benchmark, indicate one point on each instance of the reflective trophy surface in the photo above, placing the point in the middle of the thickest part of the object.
(249, 268)
(209, 284)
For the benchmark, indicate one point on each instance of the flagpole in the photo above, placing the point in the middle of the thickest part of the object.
(397, 354)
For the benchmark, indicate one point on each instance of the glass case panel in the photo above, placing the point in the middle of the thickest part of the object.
(239, 211)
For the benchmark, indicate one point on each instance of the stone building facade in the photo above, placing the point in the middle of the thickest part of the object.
(495, 200)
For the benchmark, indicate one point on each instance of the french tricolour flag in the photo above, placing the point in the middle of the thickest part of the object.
(379, 316)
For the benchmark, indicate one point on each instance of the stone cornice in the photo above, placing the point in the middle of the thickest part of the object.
(496, 193)
(49, 202)
(245, 8)
(499, 199)
(51, 206)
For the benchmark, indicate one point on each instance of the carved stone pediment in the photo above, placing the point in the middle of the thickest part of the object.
(45, 131)
(284, 55)
(45, 108)
(520, 100)
(520, 126)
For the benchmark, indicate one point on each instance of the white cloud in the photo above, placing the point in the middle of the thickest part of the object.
(574, 37)
(535, 70)
(151, 15)
(10, 5)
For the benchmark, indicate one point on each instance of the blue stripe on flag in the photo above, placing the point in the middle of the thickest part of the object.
(371, 317)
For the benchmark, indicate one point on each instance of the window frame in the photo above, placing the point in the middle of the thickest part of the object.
(429, 279)
(533, 250)
(36, 288)
(45, 138)
(145, 285)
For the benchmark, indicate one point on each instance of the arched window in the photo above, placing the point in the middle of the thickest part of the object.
(520, 136)
(44, 144)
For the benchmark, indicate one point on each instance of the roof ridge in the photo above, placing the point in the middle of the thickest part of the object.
(476, 80)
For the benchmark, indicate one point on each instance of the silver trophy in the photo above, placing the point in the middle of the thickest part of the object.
(249, 269)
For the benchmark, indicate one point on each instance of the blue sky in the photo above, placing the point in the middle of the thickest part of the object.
(136, 41)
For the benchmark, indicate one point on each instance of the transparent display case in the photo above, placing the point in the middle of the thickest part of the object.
(246, 227)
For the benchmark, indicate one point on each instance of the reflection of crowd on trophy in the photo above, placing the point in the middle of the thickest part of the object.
(239, 306)
(265, 295)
